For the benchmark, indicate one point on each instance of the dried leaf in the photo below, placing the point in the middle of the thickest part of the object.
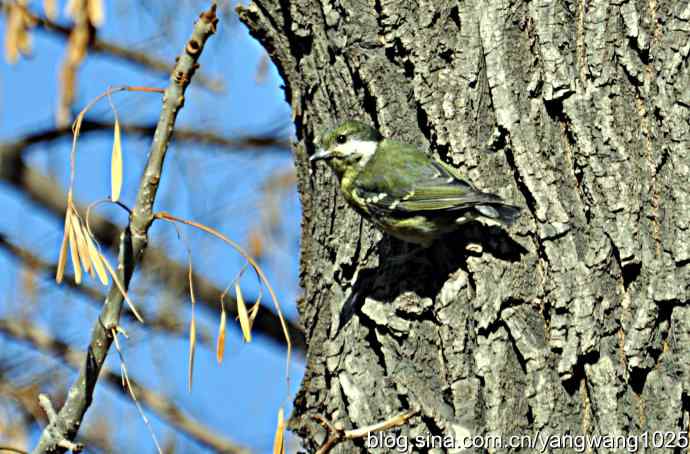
(96, 260)
(243, 315)
(76, 51)
(192, 326)
(192, 350)
(278, 440)
(50, 9)
(253, 313)
(116, 164)
(95, 12)
(220, 343)
(77, 44)
(74, 251)
(82, 246)
(17, 37)
(62, 258)
(12, 31)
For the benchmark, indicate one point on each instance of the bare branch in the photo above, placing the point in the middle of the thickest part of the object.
(96, 438)
(115, 50)
(133, 242)
(163, 407)
(268, 142)
(47, 406)
(336, 435)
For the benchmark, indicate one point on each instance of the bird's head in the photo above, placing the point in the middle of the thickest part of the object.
(348, 146)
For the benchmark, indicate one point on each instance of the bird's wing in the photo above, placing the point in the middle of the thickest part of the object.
(412, 182)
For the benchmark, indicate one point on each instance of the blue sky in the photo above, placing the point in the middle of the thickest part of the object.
(218, 187)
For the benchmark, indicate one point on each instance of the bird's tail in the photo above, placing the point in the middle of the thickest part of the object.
(502, 212)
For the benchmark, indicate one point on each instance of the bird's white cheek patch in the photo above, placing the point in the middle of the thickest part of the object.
(365, 148)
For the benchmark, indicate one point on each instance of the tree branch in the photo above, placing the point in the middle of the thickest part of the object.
(124, 53)
(24, 397)
(162, 406)
(251, 142)
(133, 242)
(336, 435)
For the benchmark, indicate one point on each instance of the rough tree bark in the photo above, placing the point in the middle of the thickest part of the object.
(575, 320)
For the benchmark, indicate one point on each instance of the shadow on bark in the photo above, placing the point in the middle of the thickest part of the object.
(424, 271)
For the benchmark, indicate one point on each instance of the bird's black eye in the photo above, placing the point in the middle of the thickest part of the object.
(341, 139)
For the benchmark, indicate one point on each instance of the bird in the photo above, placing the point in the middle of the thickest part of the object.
(402, 190)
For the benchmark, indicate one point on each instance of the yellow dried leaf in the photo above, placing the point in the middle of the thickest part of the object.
(96, 260)
(220, 343)
(50, 9)
(116, 164)
(74, 251)
(76, 51)
(254, 311)
(62, 258)
(77, 44)
(66, 94)
(17, 37)
(192, 350)
(82, 246)
(11, 38)
(278, 440)
(243, 315)
(95, 12)
(192, 325)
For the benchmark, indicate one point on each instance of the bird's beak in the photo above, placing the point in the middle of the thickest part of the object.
(321, 154)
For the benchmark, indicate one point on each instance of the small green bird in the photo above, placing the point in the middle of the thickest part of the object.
(402, 190)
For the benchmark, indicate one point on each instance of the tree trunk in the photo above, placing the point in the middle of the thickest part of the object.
(573, 321)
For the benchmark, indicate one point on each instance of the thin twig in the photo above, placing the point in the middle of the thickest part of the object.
(30, 412)
(336, 435)
(47, 406)
(133, 242)
(126, 383)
